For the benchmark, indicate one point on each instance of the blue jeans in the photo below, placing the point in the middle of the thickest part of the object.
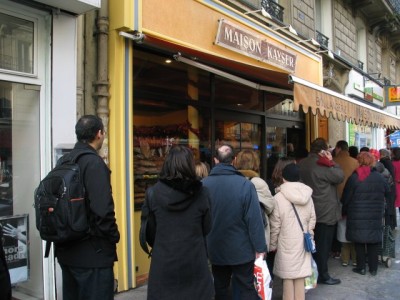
(87, 283)
(243, 283)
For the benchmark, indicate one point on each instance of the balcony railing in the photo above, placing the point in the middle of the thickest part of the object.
(395, 4)
(273, 8)
(323, 40)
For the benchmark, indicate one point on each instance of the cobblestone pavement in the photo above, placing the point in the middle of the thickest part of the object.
(384, 286)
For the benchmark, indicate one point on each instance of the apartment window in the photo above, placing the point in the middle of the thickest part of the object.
(16, 44)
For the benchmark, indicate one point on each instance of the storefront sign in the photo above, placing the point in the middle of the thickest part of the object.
(15, 245)
(237, 39)
(392, 95)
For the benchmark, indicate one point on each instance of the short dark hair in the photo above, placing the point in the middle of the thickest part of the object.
(396, 153)
(87, 127)
(353, 150)
(318, 144)
(342, 145)
(227, 156)
(179, 164)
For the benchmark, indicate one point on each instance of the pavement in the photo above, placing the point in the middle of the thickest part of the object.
(384, 286)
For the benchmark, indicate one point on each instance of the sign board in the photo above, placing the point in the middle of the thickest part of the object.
(15, 245)
(392, 95)
(238, 39)
(395, 139)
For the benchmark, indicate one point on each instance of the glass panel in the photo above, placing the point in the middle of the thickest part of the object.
(160, 75)
(235, 95)
(20, 171)
(156, 129)
(360, 136)
(16, 44)
(239, 135)
(276, 147)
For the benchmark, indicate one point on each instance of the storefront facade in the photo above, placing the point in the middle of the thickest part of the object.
(37, 117)
(178, 82)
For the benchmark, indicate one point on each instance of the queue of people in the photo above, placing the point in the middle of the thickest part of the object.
(234, 216)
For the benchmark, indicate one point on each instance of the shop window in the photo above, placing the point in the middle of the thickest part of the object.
(276, 147)
(161, 75)
(19, 172)
(157, 127)
(16, 44)
(235, 95)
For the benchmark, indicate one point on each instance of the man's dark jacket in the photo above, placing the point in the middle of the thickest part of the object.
(5, 283)
(237, 230)
(99, 250)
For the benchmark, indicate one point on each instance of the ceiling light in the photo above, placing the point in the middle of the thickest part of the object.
(168, 61)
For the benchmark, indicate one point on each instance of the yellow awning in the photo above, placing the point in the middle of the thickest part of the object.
(331, 104)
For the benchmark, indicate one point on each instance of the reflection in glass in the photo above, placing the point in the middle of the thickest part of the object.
(16, 44)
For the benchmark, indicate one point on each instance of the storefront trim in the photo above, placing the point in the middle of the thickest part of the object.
(340, 107)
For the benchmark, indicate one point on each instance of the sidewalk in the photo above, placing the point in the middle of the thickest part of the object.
(384, 286)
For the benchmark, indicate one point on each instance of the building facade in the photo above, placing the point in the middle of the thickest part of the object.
(255, 74)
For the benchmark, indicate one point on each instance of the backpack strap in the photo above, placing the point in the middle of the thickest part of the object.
(47, 251)
(146, 211)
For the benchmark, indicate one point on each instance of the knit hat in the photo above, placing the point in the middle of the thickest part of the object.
(291, 173)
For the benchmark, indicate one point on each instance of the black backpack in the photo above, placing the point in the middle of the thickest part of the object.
(60, 204)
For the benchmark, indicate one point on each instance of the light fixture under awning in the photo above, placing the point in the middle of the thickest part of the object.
(329, 103)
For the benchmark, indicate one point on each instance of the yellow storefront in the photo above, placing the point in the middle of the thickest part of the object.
(200, 73)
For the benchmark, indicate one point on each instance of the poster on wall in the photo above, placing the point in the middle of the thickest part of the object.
(15, 245)
(395, 139)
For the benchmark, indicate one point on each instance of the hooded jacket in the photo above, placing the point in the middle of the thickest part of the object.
(291, 260)
(237, 228)
(179, 266)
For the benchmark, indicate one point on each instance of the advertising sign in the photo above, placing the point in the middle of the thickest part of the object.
(395, 139)
(392, 95)
(15, 245)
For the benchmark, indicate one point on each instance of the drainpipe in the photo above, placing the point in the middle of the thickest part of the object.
(102, 83)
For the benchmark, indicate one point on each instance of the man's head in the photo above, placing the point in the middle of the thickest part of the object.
(341, 146)
(90, 130)
(225, 155)
(385, 153)
(318, 144)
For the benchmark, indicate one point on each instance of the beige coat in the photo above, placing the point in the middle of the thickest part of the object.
(291, 260)
(264, 196)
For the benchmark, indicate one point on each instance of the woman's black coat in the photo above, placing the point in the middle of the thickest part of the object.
(179, 264)
(363, 204)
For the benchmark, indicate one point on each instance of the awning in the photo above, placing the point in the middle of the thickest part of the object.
(331, 104)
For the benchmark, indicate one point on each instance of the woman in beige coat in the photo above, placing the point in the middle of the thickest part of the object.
(248, 163)
(292, 262)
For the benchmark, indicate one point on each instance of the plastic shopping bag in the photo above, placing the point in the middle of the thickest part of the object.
(262, 277)
(310, 282)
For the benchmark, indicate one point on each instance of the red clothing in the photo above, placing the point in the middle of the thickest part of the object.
(396, 165)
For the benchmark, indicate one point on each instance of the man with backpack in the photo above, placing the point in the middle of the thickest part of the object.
(87, 263)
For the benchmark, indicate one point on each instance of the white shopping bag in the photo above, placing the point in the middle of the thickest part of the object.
(262, 279)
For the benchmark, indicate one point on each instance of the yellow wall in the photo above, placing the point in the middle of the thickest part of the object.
(196, 25)
(121, 17)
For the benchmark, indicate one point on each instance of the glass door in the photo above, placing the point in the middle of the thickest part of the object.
(19, 175)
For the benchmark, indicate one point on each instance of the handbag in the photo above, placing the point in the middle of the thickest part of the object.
(309, 245)
(262, 279)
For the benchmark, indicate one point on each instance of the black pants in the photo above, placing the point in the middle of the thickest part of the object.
(323, 236)
(87, 283)
(372, 253)
(244, 279)
(5, 284)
